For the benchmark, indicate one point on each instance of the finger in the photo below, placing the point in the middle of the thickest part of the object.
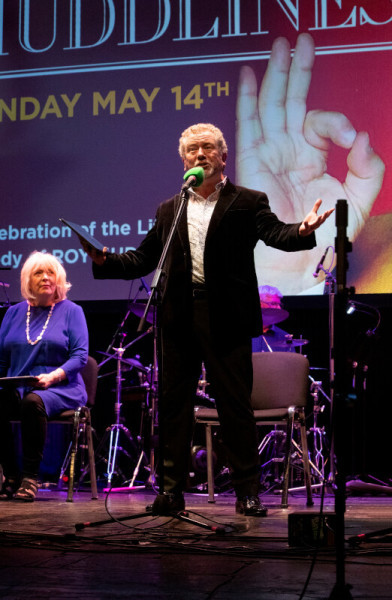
(322, 126)
(316, 205)
(299, 81)
(328, 213)
(249, 133)
(322, 218)
(272, 98)
(365, 175)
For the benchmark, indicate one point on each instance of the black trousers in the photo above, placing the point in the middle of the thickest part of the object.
(229, 369)
(30, 410)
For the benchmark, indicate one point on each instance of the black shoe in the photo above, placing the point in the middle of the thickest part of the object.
(165, 504)
(250, 506)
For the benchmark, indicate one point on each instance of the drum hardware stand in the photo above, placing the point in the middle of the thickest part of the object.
(317, 466)
(319, 434)
(202, 386)
(152, 400)
(273, 440)
(330, 291)
(203, 383)
(296, 452)
(115, 429)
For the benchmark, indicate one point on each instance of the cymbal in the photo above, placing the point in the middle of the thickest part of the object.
(290, 343)
(131, 362)
(273, 315)
(138, 309)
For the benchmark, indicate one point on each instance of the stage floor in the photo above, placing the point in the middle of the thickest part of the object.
(57, 549)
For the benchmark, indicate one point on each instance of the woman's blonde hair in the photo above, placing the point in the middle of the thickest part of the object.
(43, 259)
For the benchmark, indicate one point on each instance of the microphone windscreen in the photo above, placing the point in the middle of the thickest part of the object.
(197, 172)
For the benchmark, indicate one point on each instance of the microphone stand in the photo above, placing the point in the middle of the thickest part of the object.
(341, 590)
(156, 328)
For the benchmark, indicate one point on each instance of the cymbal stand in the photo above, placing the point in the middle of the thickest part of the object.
(115, 429)
(151, 405)
(319, 434)
(153, 410)
(330, 290)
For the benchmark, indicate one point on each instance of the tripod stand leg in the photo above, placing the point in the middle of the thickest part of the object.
(181, 516)
(112, 453)
(136, 471)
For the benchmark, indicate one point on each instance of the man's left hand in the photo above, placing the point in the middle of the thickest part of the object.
(312, 220)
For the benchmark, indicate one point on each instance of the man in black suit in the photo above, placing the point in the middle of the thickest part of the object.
(210, 310)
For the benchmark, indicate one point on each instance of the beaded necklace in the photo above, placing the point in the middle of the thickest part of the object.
(43, 329)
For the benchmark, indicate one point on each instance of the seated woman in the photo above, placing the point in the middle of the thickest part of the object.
(45, 336)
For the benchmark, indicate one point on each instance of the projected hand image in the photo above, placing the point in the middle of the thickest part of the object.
(283, 150)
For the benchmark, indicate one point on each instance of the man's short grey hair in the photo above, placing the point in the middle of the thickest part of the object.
(198, 128)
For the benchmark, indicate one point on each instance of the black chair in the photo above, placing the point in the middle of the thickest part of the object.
(279, 397)
(82, 439)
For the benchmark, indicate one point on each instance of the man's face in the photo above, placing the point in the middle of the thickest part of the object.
(201, 150)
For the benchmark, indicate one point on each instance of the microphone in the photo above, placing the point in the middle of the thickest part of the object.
(320, 265)
(193, 178)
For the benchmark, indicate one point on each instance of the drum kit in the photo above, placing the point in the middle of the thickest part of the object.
(119, 436)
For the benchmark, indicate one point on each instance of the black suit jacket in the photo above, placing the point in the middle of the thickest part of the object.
(241, 218)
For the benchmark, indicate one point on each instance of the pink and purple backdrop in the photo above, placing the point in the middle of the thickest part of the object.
(95, 93)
